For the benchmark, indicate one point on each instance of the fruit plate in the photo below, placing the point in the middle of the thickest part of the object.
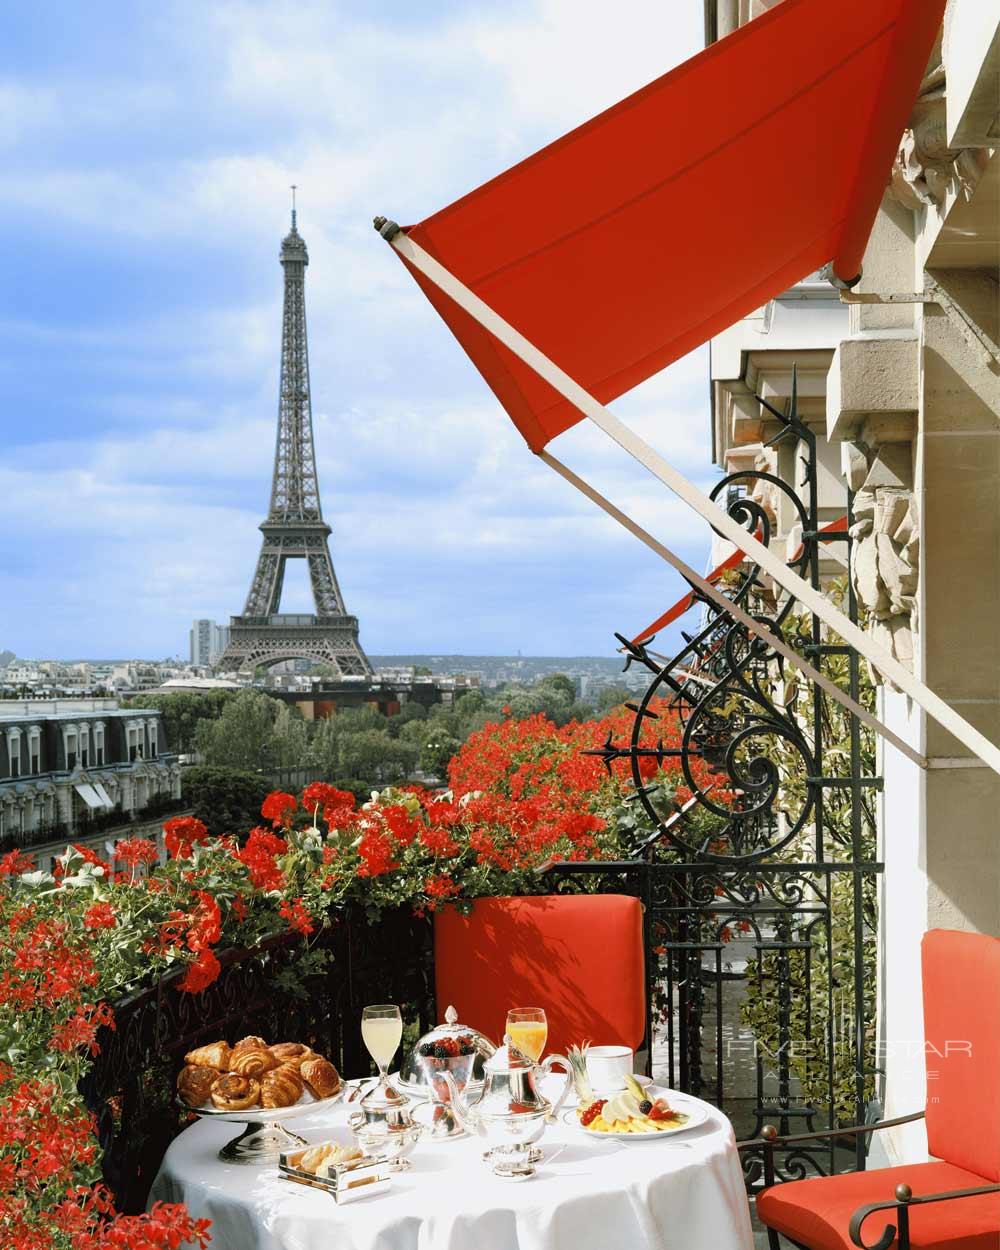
(551, 1085)
(695, 1111)
(264, 1115)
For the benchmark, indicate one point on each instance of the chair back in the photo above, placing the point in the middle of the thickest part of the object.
(961, 975)
(580, 956)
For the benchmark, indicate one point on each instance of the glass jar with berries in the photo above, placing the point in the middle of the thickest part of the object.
(450, 1047)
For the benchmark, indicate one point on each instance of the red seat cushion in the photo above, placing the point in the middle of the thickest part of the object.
(817, 1212)
(579, 956)
(961, 978)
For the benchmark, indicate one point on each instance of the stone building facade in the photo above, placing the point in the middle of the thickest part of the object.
(901, 382)
(73, 770)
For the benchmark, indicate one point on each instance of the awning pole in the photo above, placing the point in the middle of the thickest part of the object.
(720, 520)
(710, 591)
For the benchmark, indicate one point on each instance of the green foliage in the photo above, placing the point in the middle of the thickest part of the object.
(183, 711)
(373, 754)
(610, 697)
(437, 747)
(288, 745)
(226, 799)
(243, 735)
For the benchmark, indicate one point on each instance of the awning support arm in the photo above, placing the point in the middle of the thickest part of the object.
(710, 591)
(815, 601)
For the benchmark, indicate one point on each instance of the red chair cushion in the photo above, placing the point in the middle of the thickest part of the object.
(579, 956)
(961, 974)
(817, 1213)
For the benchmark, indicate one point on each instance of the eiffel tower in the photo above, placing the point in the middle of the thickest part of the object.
(295, 529)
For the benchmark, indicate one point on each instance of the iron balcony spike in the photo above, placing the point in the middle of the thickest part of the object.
(642, 711)
(637, 651)
(638, 792)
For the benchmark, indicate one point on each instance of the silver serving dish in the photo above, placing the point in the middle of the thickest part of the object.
(422, 1074)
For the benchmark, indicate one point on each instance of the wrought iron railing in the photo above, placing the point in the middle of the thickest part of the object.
(759, 889)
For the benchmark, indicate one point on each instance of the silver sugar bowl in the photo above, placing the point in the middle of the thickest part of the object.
(384, 1127)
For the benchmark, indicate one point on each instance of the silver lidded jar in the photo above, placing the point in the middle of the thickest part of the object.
(451, 1048)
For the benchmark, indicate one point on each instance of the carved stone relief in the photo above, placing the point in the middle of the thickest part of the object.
(926, 169)
(886, 549)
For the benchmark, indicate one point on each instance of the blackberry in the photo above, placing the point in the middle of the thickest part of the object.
(427, 1050)
(466, 1049)
(440, 1052)
(645, 1106)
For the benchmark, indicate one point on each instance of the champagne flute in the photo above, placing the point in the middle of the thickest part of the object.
(381, 1032)
(528, 1029)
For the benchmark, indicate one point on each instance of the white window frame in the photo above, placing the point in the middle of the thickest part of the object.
(14, 752)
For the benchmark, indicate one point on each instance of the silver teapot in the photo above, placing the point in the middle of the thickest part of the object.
(511, 1113)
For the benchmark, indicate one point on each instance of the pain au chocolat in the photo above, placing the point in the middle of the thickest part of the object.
(252, 1062)
(321, 1077)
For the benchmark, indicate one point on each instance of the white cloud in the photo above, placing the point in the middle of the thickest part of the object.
(433, 497)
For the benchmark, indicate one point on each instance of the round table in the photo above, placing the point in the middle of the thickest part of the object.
(679, 1193)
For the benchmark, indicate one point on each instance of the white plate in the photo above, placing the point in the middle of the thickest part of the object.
(696, 1112)
(264, 1115)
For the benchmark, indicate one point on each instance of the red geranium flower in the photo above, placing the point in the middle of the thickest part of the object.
(134, 851)
(278, 807)
(99, 916)
(181, 833)
(13, 864)
(259, 857)
(299, 920)
(319, 794)
(201, 973)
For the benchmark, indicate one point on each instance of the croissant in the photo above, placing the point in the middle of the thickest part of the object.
(195, 1084)
(214, 1055)
(292, 1053)
(252, 1042)
(321, 1077)
(232, 1092)
(280, 1087)
(252, 1062)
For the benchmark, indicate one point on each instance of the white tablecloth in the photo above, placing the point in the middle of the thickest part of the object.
(682, 1193)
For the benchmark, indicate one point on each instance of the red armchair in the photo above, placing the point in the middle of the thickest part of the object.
(580, 956)
(954, 1202)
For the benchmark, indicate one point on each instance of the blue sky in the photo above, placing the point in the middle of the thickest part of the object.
(145, 157)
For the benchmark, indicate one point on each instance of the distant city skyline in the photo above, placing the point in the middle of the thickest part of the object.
(148, 155)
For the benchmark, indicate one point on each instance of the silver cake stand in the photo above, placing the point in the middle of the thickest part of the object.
(264, 1135)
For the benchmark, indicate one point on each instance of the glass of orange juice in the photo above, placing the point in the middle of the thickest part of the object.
(528, 1028)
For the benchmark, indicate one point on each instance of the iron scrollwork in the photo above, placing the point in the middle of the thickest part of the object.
(741, 876)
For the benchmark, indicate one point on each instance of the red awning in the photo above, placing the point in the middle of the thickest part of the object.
(639, 235)
(732, 562)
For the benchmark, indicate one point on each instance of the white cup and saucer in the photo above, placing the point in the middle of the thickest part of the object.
(608, 1066)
